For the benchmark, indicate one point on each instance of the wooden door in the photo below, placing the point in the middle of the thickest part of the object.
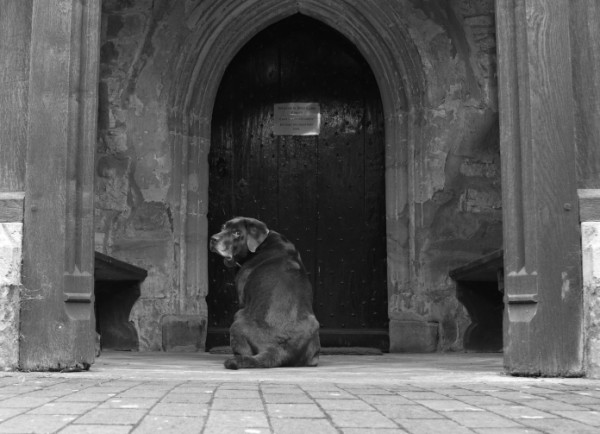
(57, 324)
(542, 247)
(325, 192)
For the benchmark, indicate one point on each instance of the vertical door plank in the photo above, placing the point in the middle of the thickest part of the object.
(297, 194)
(15, 34)
(375, 233)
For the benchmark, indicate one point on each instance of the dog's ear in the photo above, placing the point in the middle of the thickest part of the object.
(257, 231)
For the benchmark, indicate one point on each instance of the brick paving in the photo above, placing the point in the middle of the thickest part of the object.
(168, 395)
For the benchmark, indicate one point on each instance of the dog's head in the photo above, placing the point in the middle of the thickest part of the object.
(238, 237)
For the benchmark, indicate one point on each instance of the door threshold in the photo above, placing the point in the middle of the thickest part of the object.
(330, 338)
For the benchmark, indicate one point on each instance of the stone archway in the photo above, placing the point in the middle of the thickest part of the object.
(217, 34)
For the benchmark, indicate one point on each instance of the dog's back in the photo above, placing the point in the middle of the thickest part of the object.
(276, 317)
(275, 325)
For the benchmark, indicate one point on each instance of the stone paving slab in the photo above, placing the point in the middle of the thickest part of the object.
(158, 393)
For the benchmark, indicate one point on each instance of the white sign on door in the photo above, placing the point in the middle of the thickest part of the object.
(297, 119)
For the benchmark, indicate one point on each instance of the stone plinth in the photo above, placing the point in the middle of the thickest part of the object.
(413, 336)
(184, 333)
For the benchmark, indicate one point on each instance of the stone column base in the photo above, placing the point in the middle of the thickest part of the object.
(413, 336)
(183, 333)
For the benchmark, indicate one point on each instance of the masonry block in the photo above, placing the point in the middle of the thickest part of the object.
(183, 333)
(413, 336)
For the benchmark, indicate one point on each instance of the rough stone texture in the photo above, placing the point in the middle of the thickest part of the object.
(455, 199)
(457, 195)
(413, 336)
(590, 239)
(183, 333)
(10, 281)
(133, 215)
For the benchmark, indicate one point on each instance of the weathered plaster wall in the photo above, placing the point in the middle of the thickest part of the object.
(457, 196)
(11, 239)
(456, 192)
(590, 235)
(133, 170)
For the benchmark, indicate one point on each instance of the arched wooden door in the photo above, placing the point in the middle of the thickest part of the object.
(325, 192)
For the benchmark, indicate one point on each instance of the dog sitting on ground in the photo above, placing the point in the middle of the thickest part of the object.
(275, 325)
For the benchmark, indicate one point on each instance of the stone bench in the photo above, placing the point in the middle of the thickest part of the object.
(116, 288)
(480, 288)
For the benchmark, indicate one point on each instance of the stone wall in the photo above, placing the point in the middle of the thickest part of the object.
(457, 195)
(589, 201)
(591, 297)
(11, 238)
(133, 169)
(456, 202)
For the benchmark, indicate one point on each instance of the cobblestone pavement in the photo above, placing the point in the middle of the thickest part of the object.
(153, 393)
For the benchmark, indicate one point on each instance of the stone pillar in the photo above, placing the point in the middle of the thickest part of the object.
(186, 329)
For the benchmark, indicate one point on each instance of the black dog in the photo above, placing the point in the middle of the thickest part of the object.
(275, 325)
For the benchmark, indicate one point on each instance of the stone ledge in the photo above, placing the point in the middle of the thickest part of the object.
(589, 205)
(11, 206)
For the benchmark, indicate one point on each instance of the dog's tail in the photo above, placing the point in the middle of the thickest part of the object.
(270, 358)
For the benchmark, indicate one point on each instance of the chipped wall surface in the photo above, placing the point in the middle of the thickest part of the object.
(455, 197)
(133, 169)
(590, 237)
(457, 190)
(11, 239)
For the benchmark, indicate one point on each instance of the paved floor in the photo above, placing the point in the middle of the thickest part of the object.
(193, 393)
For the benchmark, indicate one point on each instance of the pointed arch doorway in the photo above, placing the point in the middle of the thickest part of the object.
(218, 34)
(326, 192)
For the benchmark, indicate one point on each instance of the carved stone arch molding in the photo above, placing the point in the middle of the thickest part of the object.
(217, 31)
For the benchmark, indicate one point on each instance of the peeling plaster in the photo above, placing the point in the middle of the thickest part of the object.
(590, 238)
(11, 239)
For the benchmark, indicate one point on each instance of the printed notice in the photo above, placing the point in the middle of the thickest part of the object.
(297, 119)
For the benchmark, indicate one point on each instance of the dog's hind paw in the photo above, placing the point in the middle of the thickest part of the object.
(231, 363)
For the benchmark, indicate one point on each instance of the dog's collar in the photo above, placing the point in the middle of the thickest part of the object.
(250, 253)
(264, 239)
